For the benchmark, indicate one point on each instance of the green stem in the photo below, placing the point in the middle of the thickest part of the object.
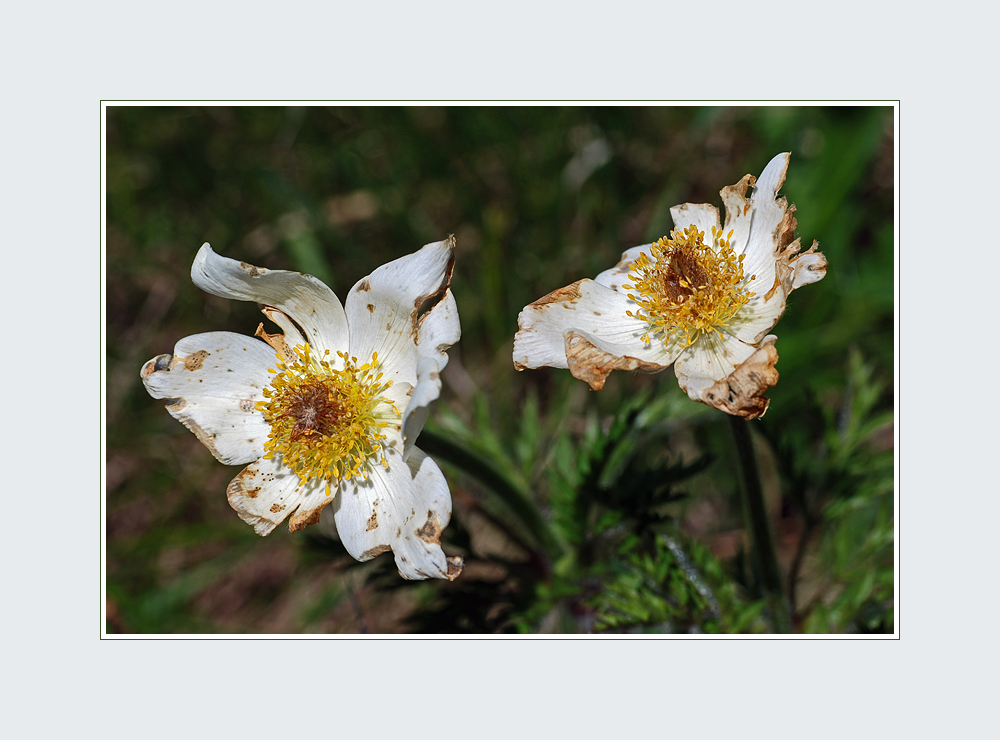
(764, 554)
(483, 470)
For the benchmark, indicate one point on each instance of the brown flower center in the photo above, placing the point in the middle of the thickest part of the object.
(327, 421)
(686, 287)
(314, 409)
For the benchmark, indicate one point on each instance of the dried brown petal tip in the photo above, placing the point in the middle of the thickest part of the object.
(592, 365)
(455, 566)
(742, 393)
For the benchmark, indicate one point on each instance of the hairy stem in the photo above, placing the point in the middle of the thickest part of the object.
(764, 555)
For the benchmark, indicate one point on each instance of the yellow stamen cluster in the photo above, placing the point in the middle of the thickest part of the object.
(687, 287)
(327, 422)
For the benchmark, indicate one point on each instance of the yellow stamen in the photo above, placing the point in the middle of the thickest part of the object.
(327, 422)
(688, 287)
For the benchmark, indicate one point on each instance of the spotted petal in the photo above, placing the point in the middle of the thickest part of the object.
(266, 493)
(403, 509)
(213, 381)
(304, 299)
(585, 327)
(741, 391)
(383, 311)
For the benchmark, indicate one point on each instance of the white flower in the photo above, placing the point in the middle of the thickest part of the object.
(327, 411)
(703, 299)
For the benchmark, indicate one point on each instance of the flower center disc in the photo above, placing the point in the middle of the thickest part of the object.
(327, 422)
(687, 287)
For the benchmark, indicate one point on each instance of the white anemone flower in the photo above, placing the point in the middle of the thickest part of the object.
(326, 412)
(702, 299)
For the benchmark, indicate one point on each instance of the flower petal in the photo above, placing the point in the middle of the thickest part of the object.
(708, 360)
(769, 211)
(403, 509)
(304, 299)
(756, 318)
(292, 336)
(739, 215)
(702, 215)
(439, 329)
(591, 359)
(593, 312)
(267, 492)
(741, 393)
(398, 393)
(383, 311)
(619, 274)
(808, 267)
(766, 228)
(213, 381)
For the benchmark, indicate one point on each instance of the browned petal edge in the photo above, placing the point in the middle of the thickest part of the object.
(204, 437)
(592, 364)
(818, 268)
(245, 486)
(455, 566)
(786, 246)
(739, 190)
(742, 393)
(565, 296)
(302, 519)
(277, 342)
(786, 267)
(424, 304)
(455, 562)
(166, 363)
(242, 486)
(160, 364)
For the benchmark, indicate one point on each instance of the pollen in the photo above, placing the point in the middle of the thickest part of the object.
(685, 288)
(327, 419)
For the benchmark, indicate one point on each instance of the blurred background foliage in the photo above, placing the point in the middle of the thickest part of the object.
(576, 512)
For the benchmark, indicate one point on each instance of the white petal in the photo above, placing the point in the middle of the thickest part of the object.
(213, 381)
(771, 224)
(590, 309)
(708, 360)
(702, 215)
(755, 319)
(768, 209)
(403, 509)
(383, 312)
(293, 337)
(741, 393)
(739, 215)
(267, 492)
(439, 329)
(304, 299)
(427, 389)
(619, 274)
(398, 393)
(809, 267)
